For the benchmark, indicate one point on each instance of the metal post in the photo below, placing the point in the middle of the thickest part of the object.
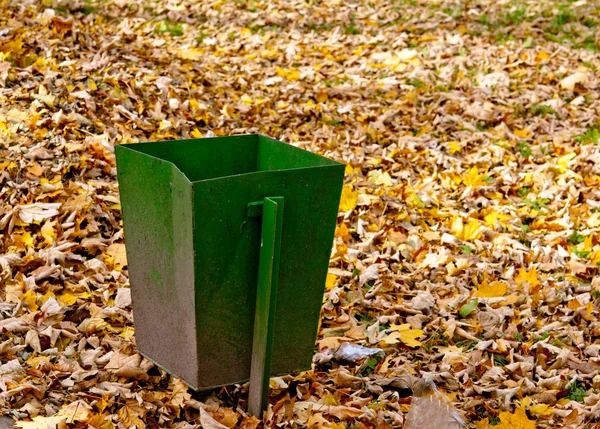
(266, 297)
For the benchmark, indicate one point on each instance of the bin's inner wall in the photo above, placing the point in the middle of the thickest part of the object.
(203, 159)
(275, 155)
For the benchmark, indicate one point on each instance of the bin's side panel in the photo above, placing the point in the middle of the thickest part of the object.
(227, 247)
(156, 200)
(308, 229)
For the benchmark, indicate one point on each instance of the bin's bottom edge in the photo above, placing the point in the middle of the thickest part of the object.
(216, 386)
(168, 370)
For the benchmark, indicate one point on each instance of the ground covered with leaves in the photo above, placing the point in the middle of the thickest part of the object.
(468, 238)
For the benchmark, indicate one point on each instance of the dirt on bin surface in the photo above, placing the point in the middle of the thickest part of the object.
(467, 244)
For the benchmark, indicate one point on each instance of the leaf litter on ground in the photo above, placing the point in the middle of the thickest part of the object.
(467, 245)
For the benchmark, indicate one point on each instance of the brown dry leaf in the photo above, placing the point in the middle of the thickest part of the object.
(126, 366)
(208, 422)
(131, 416)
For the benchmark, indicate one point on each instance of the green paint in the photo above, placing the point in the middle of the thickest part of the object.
(156, 279)
(266, 298)
(186, 216)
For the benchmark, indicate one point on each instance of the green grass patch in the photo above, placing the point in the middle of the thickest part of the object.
(175, 29)
(591, 136)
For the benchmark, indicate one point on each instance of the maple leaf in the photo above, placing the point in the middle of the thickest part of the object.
(190, 53)
(40, 422)
(405, 334)
(119, 255)
(530, 277)
(380, 177)
(30, 299)
(330, 282)
(467, 232)
(208, 422)
(348, 199)
(37, 212)
(518, 420)
(473, 178)
(130, 416)
(48, 232)
(495, 289)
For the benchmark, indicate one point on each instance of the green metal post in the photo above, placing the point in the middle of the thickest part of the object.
(266, 297)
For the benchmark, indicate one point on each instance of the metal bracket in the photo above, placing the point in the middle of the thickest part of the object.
(255, 209)
(266, 297)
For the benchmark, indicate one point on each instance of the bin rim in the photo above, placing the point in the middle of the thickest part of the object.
(130, 146)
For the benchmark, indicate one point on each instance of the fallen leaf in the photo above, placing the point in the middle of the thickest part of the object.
(48, 232)
(38, 212)
(495, 289)
(518, 420)
(571, 81)
(208, 422)
(348, 199)
(405, 334)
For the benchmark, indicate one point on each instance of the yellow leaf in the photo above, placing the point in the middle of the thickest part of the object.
(289, 74)
(75, 411)
(247, 100)
(380, 178)
(595, 257)
(454, 147)
(524, 134)
(493, 290)
(492, 217)
(541, 409)
(321, 96)
(525, 276)
(30, 297)
(27, 239)
(482, 424)
(457, 226)
(180, 394)
(117, 251)
(348, 199)
(473, 178)
(404, 333)
(518, 420)
(563, 161)
(527, 404)
(67, 299)
(471, 231)
(127, 333)
(330, 283)
(189, 53)
(589, 307)
(510, 300)
(542, 56)
(91, 325)
(48, 232)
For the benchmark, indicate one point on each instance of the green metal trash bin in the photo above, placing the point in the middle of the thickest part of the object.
(193, 228)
